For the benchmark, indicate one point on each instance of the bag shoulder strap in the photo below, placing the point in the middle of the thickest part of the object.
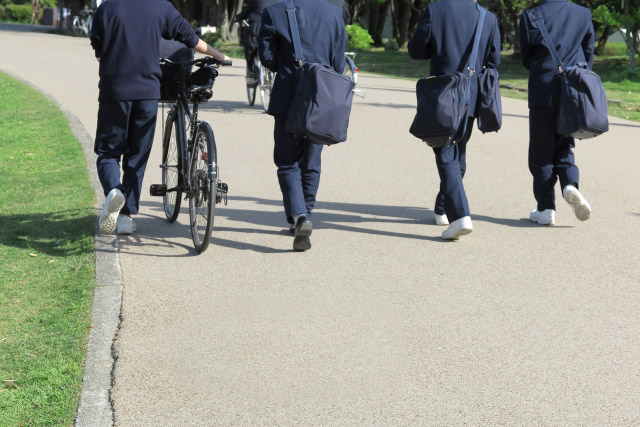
(476, 41)
(295, 34)
(537, 21)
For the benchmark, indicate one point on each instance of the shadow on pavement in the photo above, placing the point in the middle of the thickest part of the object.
(348, 217)
(233, 107)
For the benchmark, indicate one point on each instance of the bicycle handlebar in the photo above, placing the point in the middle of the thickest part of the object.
(200, 62)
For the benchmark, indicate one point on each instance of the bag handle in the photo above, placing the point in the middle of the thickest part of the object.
(537, 21)
(295, 34)
(476, 41)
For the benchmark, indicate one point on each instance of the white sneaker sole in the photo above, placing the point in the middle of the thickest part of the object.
(457, 235)
(109, 219)
(580, 206)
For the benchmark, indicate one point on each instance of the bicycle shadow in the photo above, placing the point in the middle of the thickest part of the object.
(233, 107)
(48, 233)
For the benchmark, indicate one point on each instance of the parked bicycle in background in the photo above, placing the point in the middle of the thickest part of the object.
(81, 24)
(351, 71)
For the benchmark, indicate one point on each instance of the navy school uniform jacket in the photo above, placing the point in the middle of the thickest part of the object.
(571, 30)
(253, 10)
(445, 35)
(323, 38)
(126, 36)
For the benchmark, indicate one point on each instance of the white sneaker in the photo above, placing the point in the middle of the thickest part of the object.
(578, 203)
(441, 219)
(546, 217)
(112, 205)
(458, 228)
(126, 225)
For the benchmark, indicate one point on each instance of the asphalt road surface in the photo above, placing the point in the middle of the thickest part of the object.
(381, 322)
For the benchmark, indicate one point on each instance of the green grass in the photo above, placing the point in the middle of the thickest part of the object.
(46, 261)
(623, 93)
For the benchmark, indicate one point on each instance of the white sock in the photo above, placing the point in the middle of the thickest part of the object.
(296, 217)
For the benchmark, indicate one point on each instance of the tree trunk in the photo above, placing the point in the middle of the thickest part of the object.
(602, 40)
(377, 18)
(632, 45)
(35, 11)
(401, 14)
(516, 36)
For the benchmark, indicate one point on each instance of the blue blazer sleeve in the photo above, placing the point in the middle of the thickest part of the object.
(493, 56)
(97, 33)
(525, 46)
(177, 28)
(588, 43)
(267, 42)
(338, 60)
(417, 46)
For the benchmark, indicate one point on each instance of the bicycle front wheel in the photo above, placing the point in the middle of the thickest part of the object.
(204, 176)
(266, 83)
(350, 71)
(171, 168)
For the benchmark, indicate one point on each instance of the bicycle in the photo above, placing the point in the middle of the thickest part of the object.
(351, 71)
(264, 83)
(189, 157)
(81, 25)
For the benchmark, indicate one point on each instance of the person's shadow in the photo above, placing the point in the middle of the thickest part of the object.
(347, 217)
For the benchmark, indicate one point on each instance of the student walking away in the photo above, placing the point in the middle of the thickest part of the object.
(445, 34)
(323, 38)
(125, 37)
(249, 19)
(550, 154)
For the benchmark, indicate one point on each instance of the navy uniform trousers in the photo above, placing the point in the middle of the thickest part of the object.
(452, 165)
(550, 156)
(298, 162)
(125, 132)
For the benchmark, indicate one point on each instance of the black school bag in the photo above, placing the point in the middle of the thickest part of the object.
(443, 101)
(322, 100)
(582, 112)
(489, 107)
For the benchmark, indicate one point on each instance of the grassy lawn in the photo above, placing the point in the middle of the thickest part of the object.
(46, 261)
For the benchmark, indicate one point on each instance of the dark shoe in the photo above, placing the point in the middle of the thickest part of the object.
(292, 229)
(303, 229)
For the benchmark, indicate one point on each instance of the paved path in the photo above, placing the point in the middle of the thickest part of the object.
(381, 322)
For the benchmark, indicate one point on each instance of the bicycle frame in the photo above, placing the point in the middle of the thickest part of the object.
(186, 142)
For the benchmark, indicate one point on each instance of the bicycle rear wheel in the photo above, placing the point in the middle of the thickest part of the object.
(252, 86)
(204, 176)
(266, 83)
(76, 27)
(171, 167)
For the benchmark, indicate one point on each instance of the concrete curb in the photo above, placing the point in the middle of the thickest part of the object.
(95, 408)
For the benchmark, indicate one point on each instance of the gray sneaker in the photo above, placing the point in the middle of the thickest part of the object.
(126, 225)
(110, 210)
(578, 203)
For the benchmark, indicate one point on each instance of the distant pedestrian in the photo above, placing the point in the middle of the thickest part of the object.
(125, 36)
(445, 34)
(323, 38)
(249, 19)
(550, 154)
